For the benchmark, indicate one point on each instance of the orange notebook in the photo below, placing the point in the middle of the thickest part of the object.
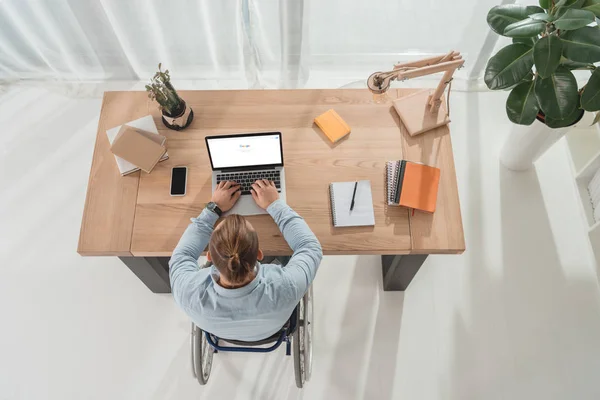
(415, 186)
(334, 127)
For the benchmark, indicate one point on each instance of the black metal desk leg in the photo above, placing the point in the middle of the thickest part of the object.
(399, 270)
(153, 271)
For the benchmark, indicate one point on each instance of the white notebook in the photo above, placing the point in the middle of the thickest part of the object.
(341, 198)
(146, 124)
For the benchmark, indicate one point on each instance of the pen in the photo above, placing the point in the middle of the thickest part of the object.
(353, 196)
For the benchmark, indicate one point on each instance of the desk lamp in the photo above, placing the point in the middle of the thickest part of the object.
(423, 110)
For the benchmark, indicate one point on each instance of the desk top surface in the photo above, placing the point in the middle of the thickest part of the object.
(135, 215)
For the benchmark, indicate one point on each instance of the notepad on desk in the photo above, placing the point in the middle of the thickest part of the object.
(362, 213)
(333, 126)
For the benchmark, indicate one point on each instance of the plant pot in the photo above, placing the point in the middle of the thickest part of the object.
(526, 143)
(181, 121)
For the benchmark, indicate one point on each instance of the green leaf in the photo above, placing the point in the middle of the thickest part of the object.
(522, 105)
(571, 119)
(542, 17)
(574, 19)
(572, 65)
(582, 45)
(569, 3)
(546, 4)
(590, 98)
(595, 9)
(597, 119)
(499, 17)
(559, 12)
(526, 41)
(593, 6)
(546, 55)
(525, 28)
(557, 94)
(508, 66)
(528, 78)
(576, 4)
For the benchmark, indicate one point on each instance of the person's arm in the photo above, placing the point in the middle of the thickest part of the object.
(302, 267)
(184, 260)
(307, 256)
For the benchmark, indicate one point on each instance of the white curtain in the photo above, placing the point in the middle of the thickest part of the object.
(269, 43)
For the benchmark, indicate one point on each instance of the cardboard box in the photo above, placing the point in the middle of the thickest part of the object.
(140, 148)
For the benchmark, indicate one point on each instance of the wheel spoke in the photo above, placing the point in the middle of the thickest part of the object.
(207, 353)
(308, 333)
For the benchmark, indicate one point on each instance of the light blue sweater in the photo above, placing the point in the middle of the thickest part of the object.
(259, 309)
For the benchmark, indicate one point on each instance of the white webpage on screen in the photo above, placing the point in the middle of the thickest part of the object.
(245, 151)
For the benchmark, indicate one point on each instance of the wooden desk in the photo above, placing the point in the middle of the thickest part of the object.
(135, 218)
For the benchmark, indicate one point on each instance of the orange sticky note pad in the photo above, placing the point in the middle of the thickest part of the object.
(334, 127)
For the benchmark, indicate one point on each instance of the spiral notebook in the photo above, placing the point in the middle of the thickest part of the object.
(412, 185)
(341, 198)
(392, 170)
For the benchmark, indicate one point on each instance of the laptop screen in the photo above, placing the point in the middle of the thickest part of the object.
(245, 150)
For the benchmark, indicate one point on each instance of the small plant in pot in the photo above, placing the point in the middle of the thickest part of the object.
(549, 42)
(175, 112)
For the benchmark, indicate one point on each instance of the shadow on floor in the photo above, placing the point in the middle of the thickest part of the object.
(361, 352)
(530, 330)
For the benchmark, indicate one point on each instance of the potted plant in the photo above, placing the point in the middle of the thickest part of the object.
(175, 112)
(548, 43)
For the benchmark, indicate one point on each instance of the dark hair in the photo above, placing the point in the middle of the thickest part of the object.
(234, 249)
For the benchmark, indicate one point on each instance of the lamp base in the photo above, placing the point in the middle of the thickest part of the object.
(416, 114)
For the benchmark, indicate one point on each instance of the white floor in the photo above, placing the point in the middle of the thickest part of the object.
(516, 317)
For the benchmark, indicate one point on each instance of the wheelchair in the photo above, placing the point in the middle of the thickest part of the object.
(297, 333)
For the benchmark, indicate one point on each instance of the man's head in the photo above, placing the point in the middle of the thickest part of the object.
(233, 249)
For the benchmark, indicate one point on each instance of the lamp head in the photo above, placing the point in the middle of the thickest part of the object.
(378, 84)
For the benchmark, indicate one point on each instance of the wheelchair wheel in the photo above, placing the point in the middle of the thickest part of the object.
(302, 340)
(202, 355)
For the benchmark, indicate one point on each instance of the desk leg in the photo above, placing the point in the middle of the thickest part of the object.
(399, 270)
(152, 271)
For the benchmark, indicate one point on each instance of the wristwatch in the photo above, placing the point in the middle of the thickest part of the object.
(212, 206)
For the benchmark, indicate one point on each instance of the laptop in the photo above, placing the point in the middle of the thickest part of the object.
(245, 158)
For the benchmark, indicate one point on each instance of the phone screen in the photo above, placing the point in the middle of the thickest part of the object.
(178, 181)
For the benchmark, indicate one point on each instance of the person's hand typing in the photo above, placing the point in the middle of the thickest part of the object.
(226, 195)
(264, 193)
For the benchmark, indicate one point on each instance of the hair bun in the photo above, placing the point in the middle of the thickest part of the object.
(234, 262)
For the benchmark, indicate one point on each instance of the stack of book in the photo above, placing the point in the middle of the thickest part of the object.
(137, 145)
(412, 185)
(594, 191)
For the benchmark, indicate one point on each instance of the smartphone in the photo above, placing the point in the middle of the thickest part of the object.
(178, 181)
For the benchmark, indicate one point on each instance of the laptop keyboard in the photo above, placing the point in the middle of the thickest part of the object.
(246, 179)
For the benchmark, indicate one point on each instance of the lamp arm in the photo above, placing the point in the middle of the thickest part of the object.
(379, 82)
(430, 69)
(453, 55)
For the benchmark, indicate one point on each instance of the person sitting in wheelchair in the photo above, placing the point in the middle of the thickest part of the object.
(239, 298)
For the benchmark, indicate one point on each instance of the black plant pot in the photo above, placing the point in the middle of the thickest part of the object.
(180, 121)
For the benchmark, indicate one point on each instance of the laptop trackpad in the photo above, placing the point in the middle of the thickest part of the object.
(246, 206)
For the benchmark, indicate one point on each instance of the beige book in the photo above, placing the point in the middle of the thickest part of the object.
(143, 149)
